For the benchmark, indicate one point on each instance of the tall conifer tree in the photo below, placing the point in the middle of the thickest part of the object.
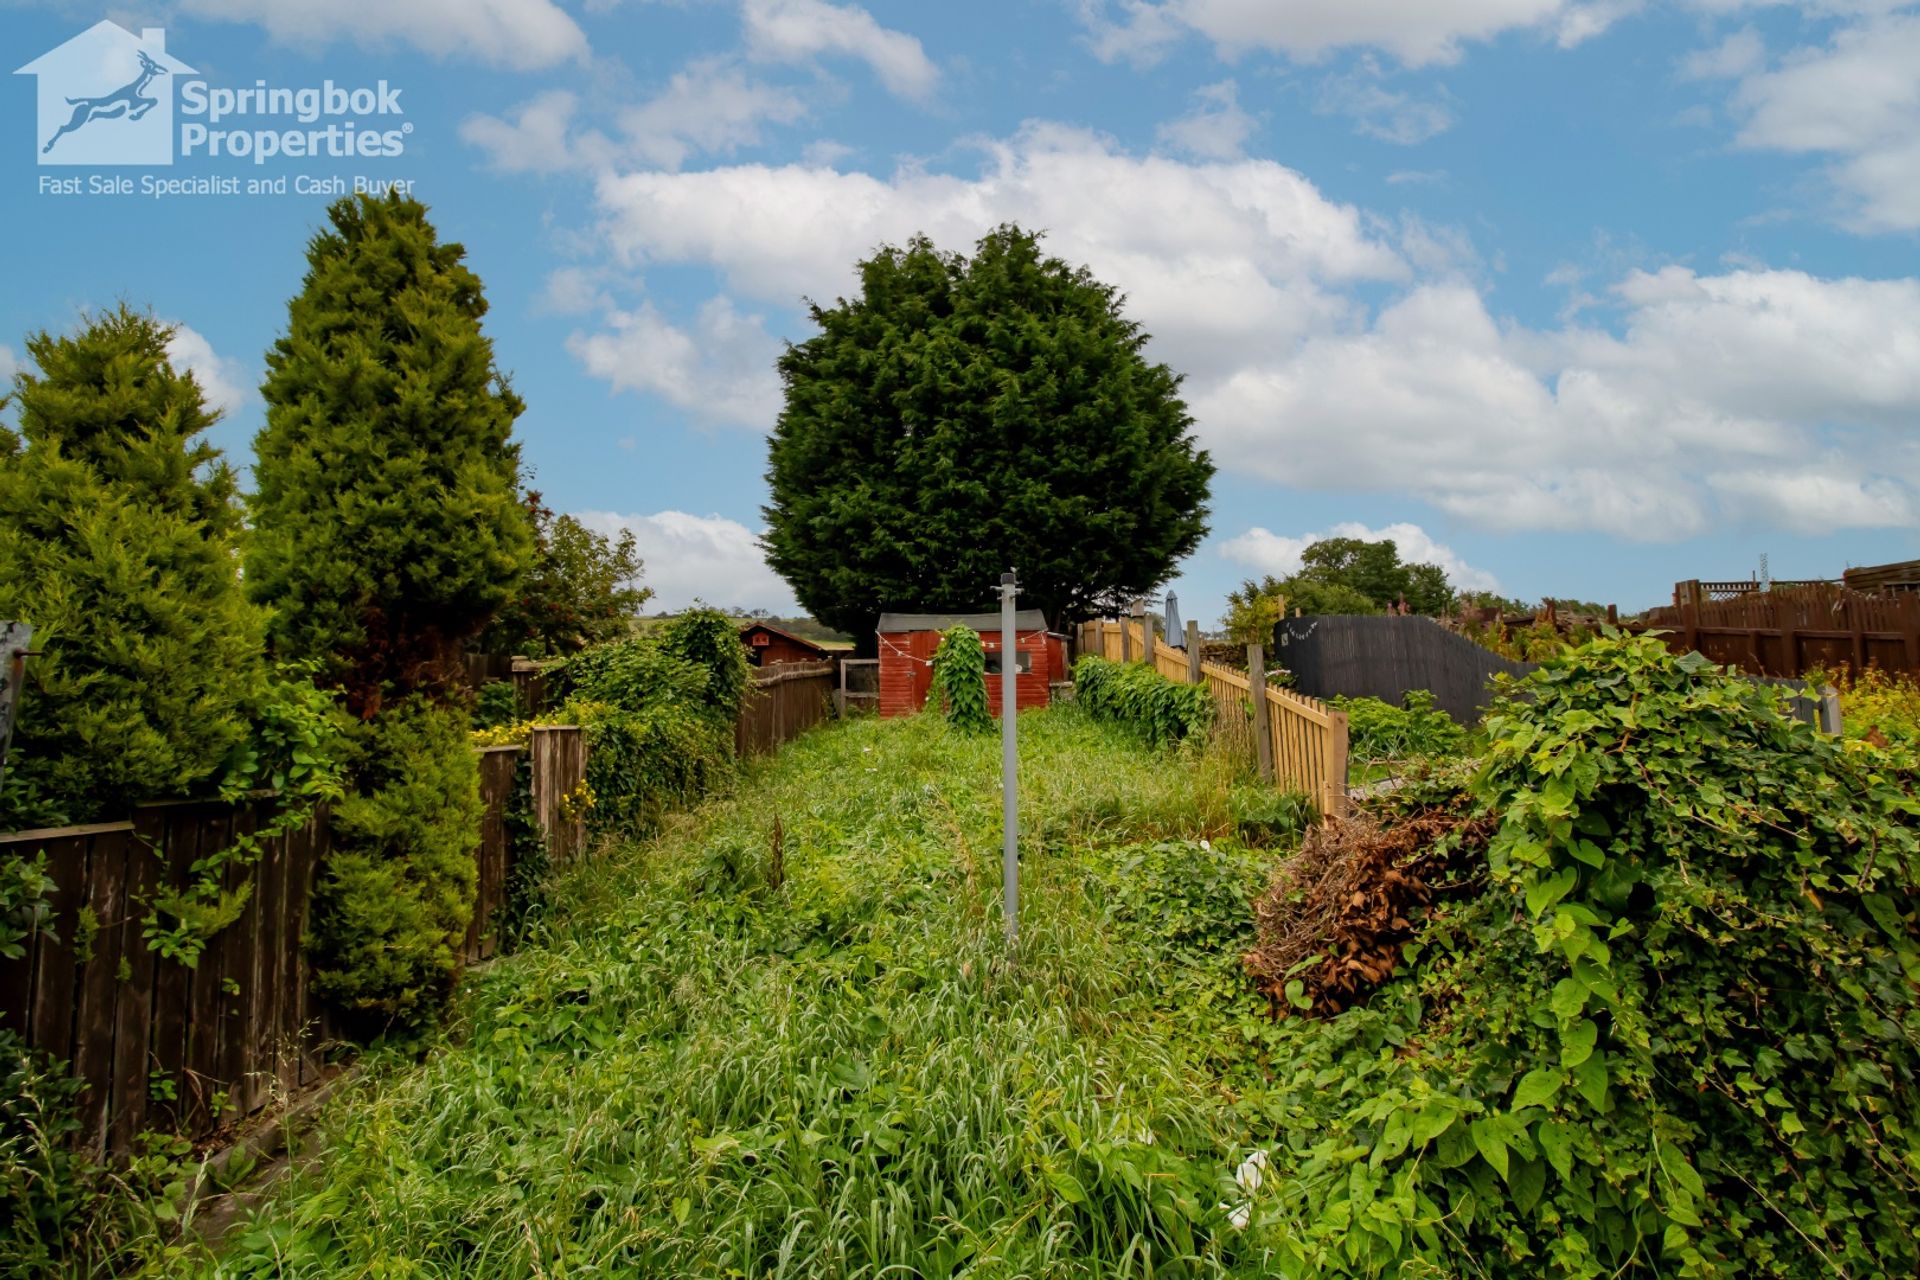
(389, 523)
(118, 529)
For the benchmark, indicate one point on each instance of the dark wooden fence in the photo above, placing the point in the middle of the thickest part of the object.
(1385, 657)
(786, 700)
(1361, 656)
(1791, 632)
(159, 1045)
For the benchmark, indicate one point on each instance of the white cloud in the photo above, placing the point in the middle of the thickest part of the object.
(1224, 261)
(711, 106)
(521, 34)
(1380, 112)
(9, 365)
(1714, 381)
(572, 291)
(1858, 100)
(227, 384)
(801, 30)
(719, 369)
(1216, 129)
(1737, 55)
(1416, 32)
(1668, 402)
(710, 558)
(1267, 552)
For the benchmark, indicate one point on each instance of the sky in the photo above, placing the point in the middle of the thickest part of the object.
(1573, 297)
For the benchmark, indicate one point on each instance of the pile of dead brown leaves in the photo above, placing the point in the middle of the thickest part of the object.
(1337, 914)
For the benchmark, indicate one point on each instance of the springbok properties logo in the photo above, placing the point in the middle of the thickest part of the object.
(109, 97)
(106, 97)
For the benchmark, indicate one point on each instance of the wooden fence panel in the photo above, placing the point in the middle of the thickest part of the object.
(1169, 661)
(1791, 631)
(559, 762)
(786, 700)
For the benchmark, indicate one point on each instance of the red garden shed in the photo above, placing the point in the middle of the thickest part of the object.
(769, 645)
(907, 642)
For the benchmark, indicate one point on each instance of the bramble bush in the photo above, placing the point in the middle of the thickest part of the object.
(1146, 702)
(1676, 1032)
(960, 680)
(1379, 731)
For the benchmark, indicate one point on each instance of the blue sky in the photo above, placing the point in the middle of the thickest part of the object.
(1579, 297)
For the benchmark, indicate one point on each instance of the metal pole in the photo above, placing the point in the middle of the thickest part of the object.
(1009, 759)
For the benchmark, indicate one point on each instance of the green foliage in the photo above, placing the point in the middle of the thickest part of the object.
(24, 909)
(1676, 1034)
(496, 705)
(960, 680)
(47, 1189)
(297, 749)
(394, 900)
(118, 533)
(1146, 702)
(579, 592)
(388, 524)
(961, 415)
(709, 640)
(1336, 576)
(524, 907)
(711, 1069)
(658, 711)
(1380, 733)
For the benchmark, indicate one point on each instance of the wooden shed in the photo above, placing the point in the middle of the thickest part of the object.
(769, 645)
(908, 640)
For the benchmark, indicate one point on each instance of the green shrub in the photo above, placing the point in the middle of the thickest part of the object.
(118, 534)
(388, 527)
(1380, 731)
(496, 705)
(1678, 1031)
(960, 680)
(710, 641)
(47, 1190)
(1135, 695)
(394, 900)
(640, 764)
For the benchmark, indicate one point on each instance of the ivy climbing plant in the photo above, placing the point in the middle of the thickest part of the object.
(960, 680)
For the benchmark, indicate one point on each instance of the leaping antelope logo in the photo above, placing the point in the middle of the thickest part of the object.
(129, 101)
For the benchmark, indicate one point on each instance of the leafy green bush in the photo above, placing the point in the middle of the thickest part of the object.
(1677, 1033)
(960, 680)
(710, 640)
(1135, 695)
(395, 897)
(1380, 731)
(47, 1190)
(119, 527)
(495, 705)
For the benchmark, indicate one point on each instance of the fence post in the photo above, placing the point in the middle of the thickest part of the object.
(1830, 717)
(1126, 640)
(1336, 805)
(1262, 722)
(1193, 652)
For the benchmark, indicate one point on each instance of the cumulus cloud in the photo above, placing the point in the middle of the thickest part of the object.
(1225, 261)
(9, 365)
(719, 368)
(1415, 32)
(522, 34)
(1216, 129)
(688, 557)
(710, 106)
(1856, 99)
(227, 384)
(1330, 349)
(1267, 552)
(1736, 55)
(802, 30)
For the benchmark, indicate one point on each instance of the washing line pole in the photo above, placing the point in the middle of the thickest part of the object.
(1009, 760)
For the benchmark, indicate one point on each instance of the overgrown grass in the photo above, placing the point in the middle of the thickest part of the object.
(808, 1053)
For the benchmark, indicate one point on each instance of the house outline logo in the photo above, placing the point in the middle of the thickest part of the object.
(106, 97)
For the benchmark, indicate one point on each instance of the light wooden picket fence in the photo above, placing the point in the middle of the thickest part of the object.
(1299, 743)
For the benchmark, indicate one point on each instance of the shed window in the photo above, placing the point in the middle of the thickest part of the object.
(1023, 661)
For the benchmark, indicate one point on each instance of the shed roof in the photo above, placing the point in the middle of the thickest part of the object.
(1023, 620)
(815, 645)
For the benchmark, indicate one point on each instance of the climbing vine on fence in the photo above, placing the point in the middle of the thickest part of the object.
(1678, 1033)
(1137, 696)
(960, 680)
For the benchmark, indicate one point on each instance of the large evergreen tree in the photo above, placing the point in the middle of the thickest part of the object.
(118, 528)
(963, 415)
(389, 524)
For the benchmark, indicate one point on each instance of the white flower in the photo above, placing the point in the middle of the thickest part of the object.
(1240, 1215)
(1207, 845)
(1252, 1170)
